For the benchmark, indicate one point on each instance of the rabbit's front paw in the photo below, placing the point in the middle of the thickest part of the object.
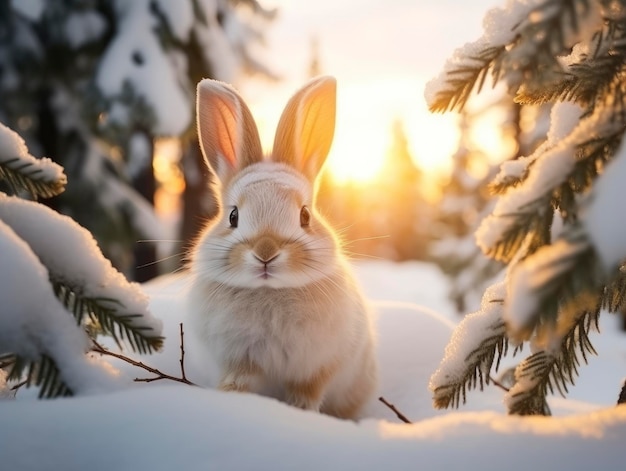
(309, 394)
(240, 377)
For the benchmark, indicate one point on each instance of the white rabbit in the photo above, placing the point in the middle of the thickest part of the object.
(273, 297)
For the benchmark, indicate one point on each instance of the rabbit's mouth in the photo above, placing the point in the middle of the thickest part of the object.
(266, 270)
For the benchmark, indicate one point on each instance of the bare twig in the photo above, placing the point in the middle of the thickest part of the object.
(622, 395)
(158, 374)
(182, 353)
(498, 384)
(399, 414)
(18, 385)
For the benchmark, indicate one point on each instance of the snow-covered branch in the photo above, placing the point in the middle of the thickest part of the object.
(36, 327)
(81, 275)
(520, 45)
(571, 52)
(476, 343)
(40, 177)
(49, 265)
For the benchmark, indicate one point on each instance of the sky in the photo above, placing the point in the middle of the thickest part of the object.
(382, 53)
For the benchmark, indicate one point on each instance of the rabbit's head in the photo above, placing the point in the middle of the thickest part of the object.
(267, 233)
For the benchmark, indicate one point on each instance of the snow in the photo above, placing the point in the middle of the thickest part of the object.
(83, 28)
(531, 275)
(140, 154)
(564, 117)
(162, 426)
(72, 256)
(471, 332)
(203, 429)
(135, 57)
(179, 16)
(14, 154)
(604, 219)
(37, 323)
(502, 25)
(31, 9)
(550, 169)
(218, 52)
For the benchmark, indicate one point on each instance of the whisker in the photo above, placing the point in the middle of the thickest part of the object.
(161, 260)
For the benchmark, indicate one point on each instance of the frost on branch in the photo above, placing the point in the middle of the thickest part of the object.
(40, 177)
(571, 54)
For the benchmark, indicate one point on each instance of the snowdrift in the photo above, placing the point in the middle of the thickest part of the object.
(166, 425)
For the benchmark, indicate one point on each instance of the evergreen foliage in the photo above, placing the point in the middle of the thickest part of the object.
(562, 52)
(93, 83)
(24, 175)
(97, 315)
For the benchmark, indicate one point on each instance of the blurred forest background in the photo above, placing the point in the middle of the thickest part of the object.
(106, 88)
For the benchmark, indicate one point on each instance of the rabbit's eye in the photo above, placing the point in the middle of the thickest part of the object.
(305, 216)
(234, 217)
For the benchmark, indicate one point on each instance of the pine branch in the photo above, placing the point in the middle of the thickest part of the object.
(549, 28)
(108, 316)
(534, 219)
(545, 372)
(596, 75)
(476, 369)
(466, 77)
(563, 270)
(614, 293)
(530, 229)
(592, 155)
(622, 395)
(43, 373)
(23, 175)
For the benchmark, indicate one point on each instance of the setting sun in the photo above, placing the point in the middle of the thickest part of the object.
(363, 135)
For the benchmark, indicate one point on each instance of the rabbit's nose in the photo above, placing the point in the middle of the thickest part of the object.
(265, 249)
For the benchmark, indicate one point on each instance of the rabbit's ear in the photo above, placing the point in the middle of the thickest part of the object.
(229, 138)
(306, 128)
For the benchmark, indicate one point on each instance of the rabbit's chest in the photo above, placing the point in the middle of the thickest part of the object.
(278, 333)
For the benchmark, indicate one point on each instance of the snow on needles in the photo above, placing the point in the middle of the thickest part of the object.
(551, 169)
(533, 273)
(471, 331)
(605, 218)
(14, 154)
(499, 27)
(33, 323)
(72, 256)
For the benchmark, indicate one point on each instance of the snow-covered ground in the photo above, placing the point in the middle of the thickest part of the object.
(166, 425)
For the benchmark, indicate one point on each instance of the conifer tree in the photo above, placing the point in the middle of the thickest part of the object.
(92, 83)
(468, 198)
(406, 215)
(557, 223)
(464, 200)
(57, 289)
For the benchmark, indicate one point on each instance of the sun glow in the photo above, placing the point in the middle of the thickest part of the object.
(363, 134)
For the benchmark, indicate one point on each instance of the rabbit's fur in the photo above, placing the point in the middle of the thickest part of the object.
(273, 297)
